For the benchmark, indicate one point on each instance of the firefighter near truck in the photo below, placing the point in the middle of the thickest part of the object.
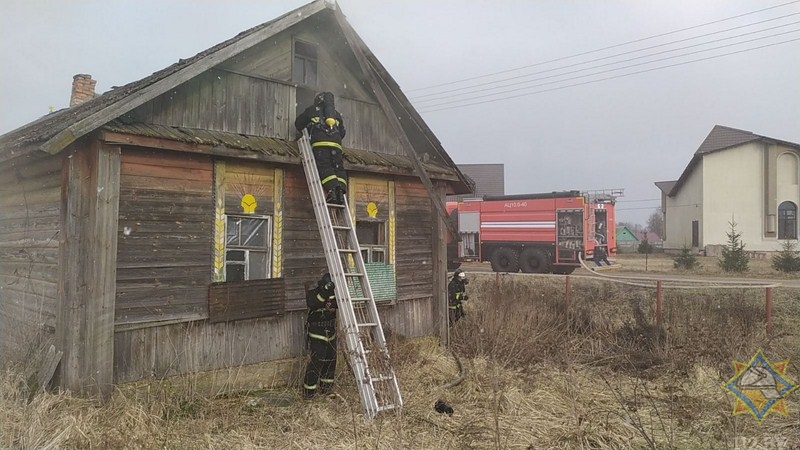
(533, 233)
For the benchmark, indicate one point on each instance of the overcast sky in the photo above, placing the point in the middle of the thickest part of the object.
(543, 113)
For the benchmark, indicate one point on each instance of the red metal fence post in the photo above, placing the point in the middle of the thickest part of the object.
(658, 303)
(768, 311)
(566, 296)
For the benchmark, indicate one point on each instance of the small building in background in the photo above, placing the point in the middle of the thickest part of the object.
(489, 179)
(627, 242)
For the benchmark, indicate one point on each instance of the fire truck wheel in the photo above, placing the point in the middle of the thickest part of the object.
(534, 260)
(505, 259)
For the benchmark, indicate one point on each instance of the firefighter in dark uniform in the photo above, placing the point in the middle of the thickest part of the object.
(326, 130)
(456, 295)
(321, 324)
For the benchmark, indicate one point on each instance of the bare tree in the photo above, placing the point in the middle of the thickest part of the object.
(655, 223)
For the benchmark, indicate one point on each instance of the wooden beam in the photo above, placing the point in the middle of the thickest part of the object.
(115, 138)
(147, 93)
(440, 301)
(87, 269)
(357, 45)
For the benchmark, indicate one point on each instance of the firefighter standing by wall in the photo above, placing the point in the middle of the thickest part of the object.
(326, 129)
(456, 294)
(321, 325)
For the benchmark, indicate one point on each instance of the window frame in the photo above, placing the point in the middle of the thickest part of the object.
(787, 226)
(305, 61)
(368, 251)
(247, 250)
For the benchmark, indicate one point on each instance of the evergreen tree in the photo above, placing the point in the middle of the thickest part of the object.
(686, 260)
(734, 258)
(788, 259)
(645, 247)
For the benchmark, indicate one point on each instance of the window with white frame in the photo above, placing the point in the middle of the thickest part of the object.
(247, 247)
(372, 240)
(787, 221)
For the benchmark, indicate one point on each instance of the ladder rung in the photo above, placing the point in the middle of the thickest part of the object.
(334, 205)
(382, 378)
(367, 324)
(359, 299)
(347, 250)
(340, 227)
(386, 407)
(354, 274)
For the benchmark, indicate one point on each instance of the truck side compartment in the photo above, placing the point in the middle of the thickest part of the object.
(532, 233)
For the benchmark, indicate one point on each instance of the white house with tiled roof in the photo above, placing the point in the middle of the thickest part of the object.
(739, 176)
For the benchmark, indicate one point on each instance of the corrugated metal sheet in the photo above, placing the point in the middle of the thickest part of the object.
(381, 280)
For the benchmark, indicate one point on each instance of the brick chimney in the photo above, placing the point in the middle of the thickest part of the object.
(82, 89)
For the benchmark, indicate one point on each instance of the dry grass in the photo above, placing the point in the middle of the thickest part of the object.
(596, 375)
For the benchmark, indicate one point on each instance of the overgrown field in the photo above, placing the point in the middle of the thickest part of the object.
(708, 265)
(539, 375)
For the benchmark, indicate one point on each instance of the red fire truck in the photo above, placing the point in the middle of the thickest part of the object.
(534, 233)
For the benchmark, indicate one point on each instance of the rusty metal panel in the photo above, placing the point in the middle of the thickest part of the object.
(246, 299)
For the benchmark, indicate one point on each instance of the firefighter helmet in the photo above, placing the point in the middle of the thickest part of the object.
(460, 275)
(325, 283)
(323, 98)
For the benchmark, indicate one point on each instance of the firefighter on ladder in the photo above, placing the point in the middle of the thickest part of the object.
(456, 295)
(326, 130)
(321, 324)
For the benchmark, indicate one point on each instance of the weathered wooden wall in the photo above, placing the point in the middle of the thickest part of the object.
(367, 127)
(30, 202)
(414, 247)
(87, 269)
(166, 216)
(224, 101)
(180, 348)
(200, 346)
(304, 260)
(253, 94)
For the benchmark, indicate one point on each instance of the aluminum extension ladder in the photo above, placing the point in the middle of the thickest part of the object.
(358, 315)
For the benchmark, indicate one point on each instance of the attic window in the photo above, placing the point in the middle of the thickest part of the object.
(304, 69)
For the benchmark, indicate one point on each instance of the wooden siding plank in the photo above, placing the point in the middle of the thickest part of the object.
(176, 349)
(30, 208)
(304, 260)
(88, 270)
(163, 226)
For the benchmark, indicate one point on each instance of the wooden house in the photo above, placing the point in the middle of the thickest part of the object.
(165, 227)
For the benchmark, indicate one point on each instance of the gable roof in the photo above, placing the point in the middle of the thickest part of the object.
(720, 138)
(54, 132)
(621, 232)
